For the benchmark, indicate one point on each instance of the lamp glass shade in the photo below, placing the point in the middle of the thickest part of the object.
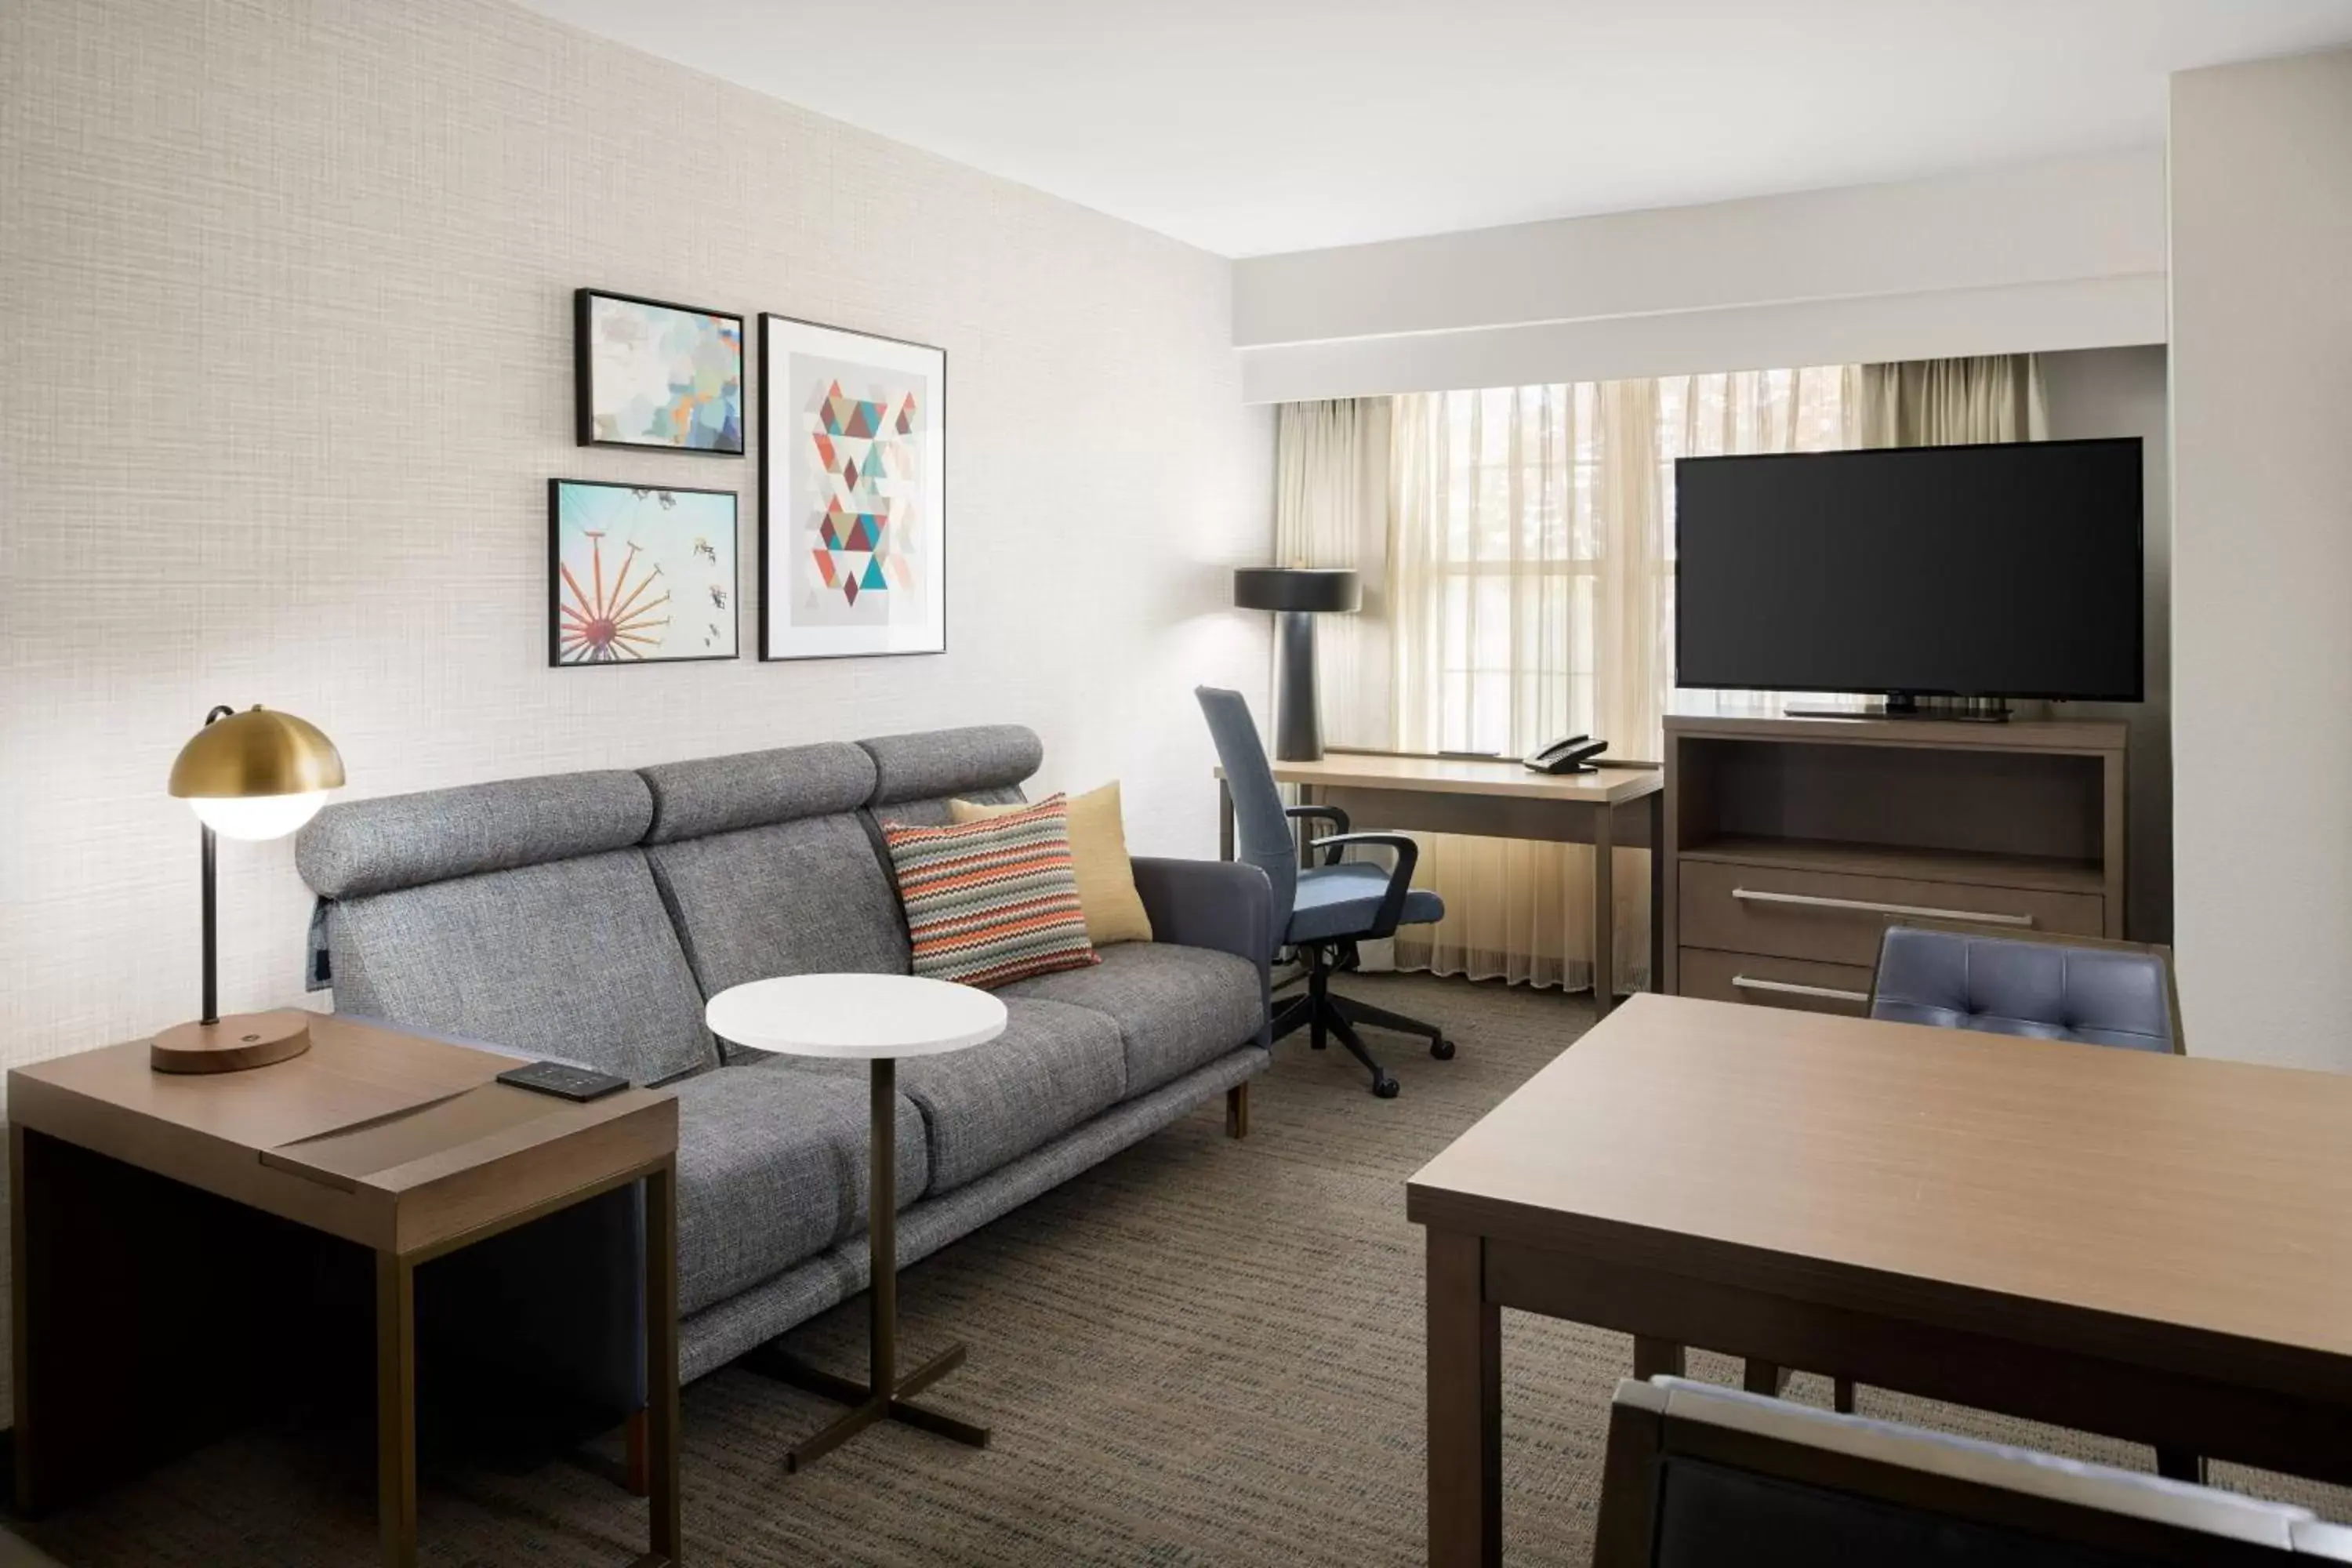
(1317, 590)
(259, 816)
(256, 775)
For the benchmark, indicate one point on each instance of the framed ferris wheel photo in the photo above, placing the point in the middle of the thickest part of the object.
(639, 574)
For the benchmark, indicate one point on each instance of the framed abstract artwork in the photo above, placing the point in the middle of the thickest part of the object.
(655, 374)
(852, 493)
(639, 575)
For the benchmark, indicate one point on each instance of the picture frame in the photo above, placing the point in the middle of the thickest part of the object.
(852, 493)
(667, 593)
(656, 375)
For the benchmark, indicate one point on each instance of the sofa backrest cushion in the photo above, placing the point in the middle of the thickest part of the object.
(753, 789)
(767, 869)
(916, 775)
(355, 848)
(519, 913)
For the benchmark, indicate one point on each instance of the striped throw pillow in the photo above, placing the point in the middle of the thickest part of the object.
(993, 901)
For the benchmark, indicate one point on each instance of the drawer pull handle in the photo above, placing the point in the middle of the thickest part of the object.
(1872, 907)
(1790, 988)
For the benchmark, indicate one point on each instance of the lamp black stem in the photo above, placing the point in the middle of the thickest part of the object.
(212, 937)
(1297, 724)
(210, 902)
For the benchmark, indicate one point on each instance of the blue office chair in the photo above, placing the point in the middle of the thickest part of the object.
(1322, 912)
(2050, 987)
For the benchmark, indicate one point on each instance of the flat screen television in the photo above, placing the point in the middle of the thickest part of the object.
(2000, 571)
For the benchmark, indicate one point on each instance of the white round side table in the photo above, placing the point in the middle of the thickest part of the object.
(875, 1018)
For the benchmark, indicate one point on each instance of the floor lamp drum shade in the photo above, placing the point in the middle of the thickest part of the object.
(1296, 594)
(255, 774)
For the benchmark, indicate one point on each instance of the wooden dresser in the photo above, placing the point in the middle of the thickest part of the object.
(1791, 843)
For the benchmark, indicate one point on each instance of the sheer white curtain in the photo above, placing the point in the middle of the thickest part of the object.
(1528, 595)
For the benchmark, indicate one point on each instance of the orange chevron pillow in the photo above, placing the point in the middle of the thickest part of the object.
(992, 901)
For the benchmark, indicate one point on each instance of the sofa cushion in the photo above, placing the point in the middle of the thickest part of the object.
(1053, 1068)
(575, 959)
(1177, 1009)
(1099, 859)
(772, 1167)
(752, 789)
(993, 901)
(915, 775)
(792, 898)
(358, 847)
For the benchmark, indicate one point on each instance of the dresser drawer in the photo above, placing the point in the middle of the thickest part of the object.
(1834, 918)
(1775, 982)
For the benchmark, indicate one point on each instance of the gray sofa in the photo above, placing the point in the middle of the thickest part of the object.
(588, 916)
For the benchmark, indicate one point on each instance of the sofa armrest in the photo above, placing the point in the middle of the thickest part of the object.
(1224, 905)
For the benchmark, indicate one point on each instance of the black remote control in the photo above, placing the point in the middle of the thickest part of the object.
(569, 1082)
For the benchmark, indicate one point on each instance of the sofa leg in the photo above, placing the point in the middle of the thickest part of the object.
(639, 1477)
(1237, 1111)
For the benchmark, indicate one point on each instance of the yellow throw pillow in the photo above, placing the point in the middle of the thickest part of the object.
(1107, 893)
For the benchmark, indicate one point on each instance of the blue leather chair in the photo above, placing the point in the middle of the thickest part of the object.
(1322, 912)
(2048, 987)
(2053, 988)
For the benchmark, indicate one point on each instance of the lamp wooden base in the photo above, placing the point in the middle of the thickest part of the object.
(238, 1041)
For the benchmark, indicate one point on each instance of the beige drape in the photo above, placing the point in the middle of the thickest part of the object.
(1331, 509)
(1949, 402)
(1529, 597)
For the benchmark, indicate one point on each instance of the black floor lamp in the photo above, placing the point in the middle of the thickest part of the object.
(1296, 594)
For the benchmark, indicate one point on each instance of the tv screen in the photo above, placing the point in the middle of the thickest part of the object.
(1993, 571)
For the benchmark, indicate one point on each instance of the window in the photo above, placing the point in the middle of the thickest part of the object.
(1532, 558)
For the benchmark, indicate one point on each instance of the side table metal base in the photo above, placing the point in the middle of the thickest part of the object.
(885, 1396)
(864, 1409)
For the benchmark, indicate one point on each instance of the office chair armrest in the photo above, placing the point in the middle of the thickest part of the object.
(1330, 814)
(1408, 854)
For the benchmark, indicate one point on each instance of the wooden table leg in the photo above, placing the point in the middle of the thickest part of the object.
(1605, 911)
(1465, 1406)
(27, 1320)
(396, 1408)
(667, 1522)
(2180, 1465)
(1656, 1358)
(1655, 802)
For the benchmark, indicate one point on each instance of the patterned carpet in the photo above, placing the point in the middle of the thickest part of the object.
(1200, 1352)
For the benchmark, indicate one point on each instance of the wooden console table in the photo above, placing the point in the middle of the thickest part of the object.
(1617, 807)
(157, 1221)
(1791, 843)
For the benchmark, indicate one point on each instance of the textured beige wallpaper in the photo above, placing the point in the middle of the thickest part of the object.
(285, 361)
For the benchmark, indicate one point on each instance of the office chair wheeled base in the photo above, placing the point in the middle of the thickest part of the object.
(1322, 1013)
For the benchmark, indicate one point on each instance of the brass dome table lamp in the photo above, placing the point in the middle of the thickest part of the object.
(252, 775)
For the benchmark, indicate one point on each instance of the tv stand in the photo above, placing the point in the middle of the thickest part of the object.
(1792, 843)
(1906, 705)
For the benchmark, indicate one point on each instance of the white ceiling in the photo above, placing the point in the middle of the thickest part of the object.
(1253, 126)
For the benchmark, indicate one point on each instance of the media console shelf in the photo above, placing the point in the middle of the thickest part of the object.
(1791, 843)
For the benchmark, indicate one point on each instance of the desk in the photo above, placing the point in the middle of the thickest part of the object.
(155, 1219)
(2151, 1246)
(1622, 806)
